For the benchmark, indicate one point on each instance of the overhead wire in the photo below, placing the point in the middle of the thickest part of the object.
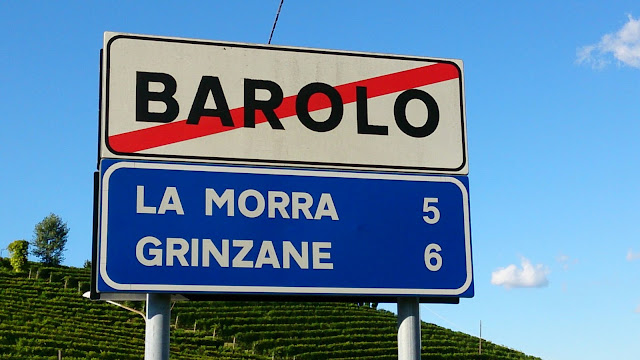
(275, 21)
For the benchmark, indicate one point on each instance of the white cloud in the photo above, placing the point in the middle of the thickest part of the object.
(632, 256)
(624, 45)
(637, 309)
(528, 276)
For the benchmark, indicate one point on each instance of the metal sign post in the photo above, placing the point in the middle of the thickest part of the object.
(409, 337)
(156, 342)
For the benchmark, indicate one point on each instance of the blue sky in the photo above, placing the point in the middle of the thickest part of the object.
(552, 94)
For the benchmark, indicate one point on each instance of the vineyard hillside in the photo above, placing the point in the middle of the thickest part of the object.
(43, 314)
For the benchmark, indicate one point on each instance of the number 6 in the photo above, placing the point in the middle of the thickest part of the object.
(431, 252)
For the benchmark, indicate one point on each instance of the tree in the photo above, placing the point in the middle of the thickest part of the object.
(18, 251)
(50, 238)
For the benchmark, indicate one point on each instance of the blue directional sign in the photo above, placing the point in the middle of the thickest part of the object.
(193, 228)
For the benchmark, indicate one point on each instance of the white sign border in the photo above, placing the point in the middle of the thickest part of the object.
(275, 289)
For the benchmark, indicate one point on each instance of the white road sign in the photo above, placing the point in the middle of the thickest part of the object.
(197, 100)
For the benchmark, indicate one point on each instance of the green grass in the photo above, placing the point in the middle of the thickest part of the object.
(39, 316)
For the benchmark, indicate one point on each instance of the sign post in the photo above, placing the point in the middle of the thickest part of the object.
(409, 330)
(158, 319)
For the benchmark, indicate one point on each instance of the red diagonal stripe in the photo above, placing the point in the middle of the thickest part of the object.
(177, 131)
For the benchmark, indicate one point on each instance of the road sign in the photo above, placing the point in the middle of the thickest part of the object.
(195, 100)
(194, 228)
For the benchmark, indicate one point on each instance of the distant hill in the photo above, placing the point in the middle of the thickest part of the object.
(42, 311)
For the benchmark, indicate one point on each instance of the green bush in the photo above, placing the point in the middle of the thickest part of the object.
(18, 252)
(5, 263)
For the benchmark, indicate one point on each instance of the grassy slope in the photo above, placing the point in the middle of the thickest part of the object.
(38, 317)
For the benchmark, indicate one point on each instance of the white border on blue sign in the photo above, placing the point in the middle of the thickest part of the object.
(277, 289)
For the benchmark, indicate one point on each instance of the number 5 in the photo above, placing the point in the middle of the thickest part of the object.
(426, 208)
